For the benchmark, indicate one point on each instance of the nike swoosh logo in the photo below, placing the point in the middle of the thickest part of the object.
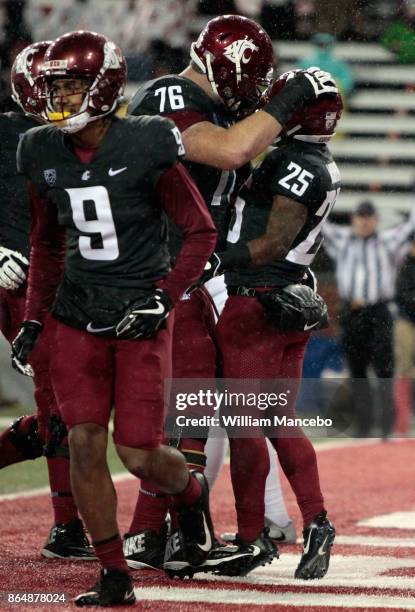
(255, 550)
(307, 546)
(128, 595)
(206, 547)
(97, 330)
(158, 310)
(112, 172)
(321, 550)
(307, 327)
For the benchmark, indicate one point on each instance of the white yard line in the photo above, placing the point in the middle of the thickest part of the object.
(244, 597)
(375, 541)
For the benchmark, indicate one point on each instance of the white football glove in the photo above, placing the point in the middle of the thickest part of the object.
(322, 82)
(13, 267)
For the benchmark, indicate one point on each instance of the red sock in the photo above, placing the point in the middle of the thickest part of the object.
(403, 405)
(249, 471)
(110, 553)
(299, 463)
(194, 453)
(10, 438)
(64, 507)
(150, 510)
(188, 497)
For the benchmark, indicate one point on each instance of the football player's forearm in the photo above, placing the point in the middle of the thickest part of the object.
(189, 264)
(46, 258)
(45, 273)
(184, 204)
(266, 249)
(259, 252)
(250, 137)
(229, 149)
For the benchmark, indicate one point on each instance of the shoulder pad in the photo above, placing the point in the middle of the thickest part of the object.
(169, 94)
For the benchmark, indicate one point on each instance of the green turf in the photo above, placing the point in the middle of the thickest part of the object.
(34, 474)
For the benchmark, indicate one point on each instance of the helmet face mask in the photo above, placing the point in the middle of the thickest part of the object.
(93, 64)
(67, 100)
(25, 79)
(236, 55)
(312, 123)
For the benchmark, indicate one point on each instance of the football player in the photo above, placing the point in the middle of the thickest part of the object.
(31, 436)
(264, 327)
(101, 188)
(231, 64)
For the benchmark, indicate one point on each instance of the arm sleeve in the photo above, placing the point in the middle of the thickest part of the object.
(183, 202)
(186, 118)
(167, 146)
(46, 257)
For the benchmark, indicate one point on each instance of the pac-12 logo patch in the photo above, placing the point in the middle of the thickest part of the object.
(50, 176)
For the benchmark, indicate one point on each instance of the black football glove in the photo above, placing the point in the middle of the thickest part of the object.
(145, 316)
(304, 88)
(323, 82)
(23, 345)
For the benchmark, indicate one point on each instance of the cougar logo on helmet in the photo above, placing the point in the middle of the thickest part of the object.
(112, 58)
(24, 62)
(236, 51)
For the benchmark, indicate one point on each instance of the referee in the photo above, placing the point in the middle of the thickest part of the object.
(366, 266)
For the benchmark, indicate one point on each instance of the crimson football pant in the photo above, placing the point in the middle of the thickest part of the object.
(252, 348)
(12, 304)
(194, 356)
(91, 373)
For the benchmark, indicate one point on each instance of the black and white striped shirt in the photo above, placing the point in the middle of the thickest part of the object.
(366, 267)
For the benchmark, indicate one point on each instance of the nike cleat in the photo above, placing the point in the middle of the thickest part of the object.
(318, 540)
(281, 535)
(68, 541)
(144, 550)
(195, 525)
(222, 560)
(114, 588)
(263, 551)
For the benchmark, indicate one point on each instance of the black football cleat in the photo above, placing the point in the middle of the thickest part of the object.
(318, 540)
(222, 560)
(144, 550)
(195, 526)
(263, 550)
(68, 541)
(114, 587)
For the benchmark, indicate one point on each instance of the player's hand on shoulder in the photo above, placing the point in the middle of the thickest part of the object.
(145, 316)
(23, 345)
(322, 82)
(13, 268)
